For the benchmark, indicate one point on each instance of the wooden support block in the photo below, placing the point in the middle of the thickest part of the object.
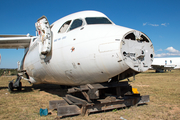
(55, 103)
(93, 93)
(118, 91)
(107, 104)
(90, 86)
(76, 99)
(83, 110)
(144, 99)
(75, 103)
(68, 101)
(68, 110)
(86, 96)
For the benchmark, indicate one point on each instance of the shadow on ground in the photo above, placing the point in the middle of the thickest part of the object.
(49, 88)
(52, 89)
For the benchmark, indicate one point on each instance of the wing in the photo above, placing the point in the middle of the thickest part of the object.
(158, 67)
(15, 41)
(162, 67)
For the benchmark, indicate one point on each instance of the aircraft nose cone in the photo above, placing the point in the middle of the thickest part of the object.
(137, 51)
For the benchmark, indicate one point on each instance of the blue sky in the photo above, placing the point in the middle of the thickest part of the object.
(158, 19)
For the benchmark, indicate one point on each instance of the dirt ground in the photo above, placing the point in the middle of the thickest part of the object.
(163, 89)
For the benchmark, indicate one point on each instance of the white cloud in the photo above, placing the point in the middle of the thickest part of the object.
(160, 50)
(160, 55)
(164, 24)
(171, 52)
(155, 25)
(144, 24)
(167, 54)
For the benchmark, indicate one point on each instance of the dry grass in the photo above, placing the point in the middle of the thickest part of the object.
(163, 88)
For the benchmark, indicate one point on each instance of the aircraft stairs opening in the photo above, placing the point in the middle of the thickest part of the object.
(91, 98)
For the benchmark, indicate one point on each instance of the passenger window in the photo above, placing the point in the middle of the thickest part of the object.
(76, 23)
(64, 27)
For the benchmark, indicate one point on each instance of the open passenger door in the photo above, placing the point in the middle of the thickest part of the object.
(44, 32)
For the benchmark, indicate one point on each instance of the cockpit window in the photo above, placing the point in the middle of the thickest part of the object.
(97, 20)
(64, 27)
(76, 23)
(51, 26)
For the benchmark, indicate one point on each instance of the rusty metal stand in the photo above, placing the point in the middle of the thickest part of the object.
(90, 98)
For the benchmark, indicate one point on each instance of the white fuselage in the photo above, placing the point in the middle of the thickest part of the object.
(169, 61)
(88, 54)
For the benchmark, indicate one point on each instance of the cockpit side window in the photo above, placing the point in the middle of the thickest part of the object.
(51, 26)
(97, 20)
(64, 27)
(76, 23)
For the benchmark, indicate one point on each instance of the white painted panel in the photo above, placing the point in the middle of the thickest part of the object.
(107, 47)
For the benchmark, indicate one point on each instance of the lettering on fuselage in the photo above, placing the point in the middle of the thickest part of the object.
(59, 39)
(64, 37)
